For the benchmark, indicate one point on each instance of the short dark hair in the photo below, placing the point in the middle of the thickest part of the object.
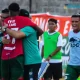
(53, 20)
(76, 15)
(14, 7)
(24, 12)
(5, 10)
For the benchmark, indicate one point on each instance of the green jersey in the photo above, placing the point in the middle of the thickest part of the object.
(30, 45)
(50, 45)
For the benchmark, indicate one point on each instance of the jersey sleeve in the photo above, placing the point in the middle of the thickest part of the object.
(59, 43)
(28, 22)
(27, 30)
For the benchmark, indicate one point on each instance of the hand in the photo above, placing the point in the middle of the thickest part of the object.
(5, 25)
(48, 59)
(3, 28)
(5, 41)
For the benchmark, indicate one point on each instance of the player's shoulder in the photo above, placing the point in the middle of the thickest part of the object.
(71, 31)
(58, 32)
(21, 17)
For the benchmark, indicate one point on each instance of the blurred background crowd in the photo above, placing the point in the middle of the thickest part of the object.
(55, 7)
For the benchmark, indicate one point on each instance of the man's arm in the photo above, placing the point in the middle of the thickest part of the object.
(26, 31)
(33, 25)
(19, 34)
(59, 45)
(39, 31)
(55, 52)
(15, 34)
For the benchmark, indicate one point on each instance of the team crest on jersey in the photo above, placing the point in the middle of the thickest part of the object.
(75, 42)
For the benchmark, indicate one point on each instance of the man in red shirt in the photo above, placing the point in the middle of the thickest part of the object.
(4, 15)
(12, 54)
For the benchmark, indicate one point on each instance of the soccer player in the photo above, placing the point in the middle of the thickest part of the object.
(32, 58)
(73, 67)
(52, 43)
(4, 15)
(12, 54)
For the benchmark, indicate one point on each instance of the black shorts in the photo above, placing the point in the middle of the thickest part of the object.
(54, 70)
(32, 67)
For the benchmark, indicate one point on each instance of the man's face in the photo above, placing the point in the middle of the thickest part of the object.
(75, 23)
(52, 26)
(4, 16)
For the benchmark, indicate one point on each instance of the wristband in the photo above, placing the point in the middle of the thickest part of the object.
(50, 56)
